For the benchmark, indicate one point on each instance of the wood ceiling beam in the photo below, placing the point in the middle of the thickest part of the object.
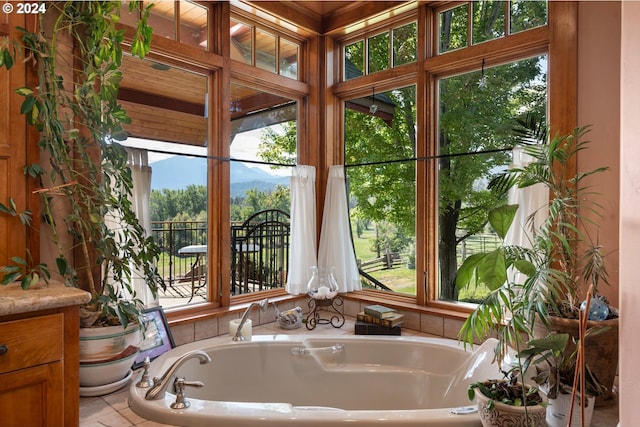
(159, 101)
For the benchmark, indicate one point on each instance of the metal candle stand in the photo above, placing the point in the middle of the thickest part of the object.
(325, 312)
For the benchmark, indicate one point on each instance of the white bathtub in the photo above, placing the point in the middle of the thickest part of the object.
(304, 380)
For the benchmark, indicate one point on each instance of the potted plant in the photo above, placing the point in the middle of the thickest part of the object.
(507, 402)
(569, 260)
(84, 177)
(505, 314)
(558, 373)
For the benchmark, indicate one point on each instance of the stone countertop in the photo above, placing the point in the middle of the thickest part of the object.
(15, 300)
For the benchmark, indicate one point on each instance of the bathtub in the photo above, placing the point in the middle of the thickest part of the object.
(306, 380)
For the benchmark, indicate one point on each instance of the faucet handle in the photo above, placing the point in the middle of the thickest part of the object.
(145, 380)
(178, 385)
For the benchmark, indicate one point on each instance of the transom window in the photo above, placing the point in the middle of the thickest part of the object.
(394, 47)
(264, 49)
(489, 20)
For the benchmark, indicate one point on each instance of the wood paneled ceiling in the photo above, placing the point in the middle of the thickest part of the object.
(168, 103)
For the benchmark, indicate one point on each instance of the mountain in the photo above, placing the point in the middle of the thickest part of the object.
(177, 172)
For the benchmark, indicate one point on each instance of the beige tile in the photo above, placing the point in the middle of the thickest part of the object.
(352, 308)
(131, 416)
(411, 320)
(118, 399)
(431, 324)
(92, 408)
(206, 329)
(183, 334)
(452, 327)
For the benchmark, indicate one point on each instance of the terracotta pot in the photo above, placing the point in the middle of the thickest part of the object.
(601, 350)
(510, 416)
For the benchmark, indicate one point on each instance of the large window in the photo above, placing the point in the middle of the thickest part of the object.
(380, 142)
(168, 158)
(264, 141)
(477, 115)
(460, 136)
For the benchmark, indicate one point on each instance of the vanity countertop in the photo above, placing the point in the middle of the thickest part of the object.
(15, 300)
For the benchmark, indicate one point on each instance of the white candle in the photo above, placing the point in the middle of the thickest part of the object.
(246, 328)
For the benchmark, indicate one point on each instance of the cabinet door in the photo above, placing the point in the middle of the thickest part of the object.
(31, 397)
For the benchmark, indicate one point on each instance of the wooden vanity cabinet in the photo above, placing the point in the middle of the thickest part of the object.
(39, 368)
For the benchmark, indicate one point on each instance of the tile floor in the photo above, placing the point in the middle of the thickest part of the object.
(113, 409)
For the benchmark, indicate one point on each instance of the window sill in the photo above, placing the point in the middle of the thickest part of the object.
(204, 311)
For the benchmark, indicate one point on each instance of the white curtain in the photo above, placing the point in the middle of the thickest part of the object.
(336, 248)
(302, 250)
(532, 200)
(138, 162)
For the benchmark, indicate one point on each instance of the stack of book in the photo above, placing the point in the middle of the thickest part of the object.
(379, 320)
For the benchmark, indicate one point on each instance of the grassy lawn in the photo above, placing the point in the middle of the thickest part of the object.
(403, 280)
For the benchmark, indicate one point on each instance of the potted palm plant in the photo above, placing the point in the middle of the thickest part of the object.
(569, 260)
(505, 314)
(83, 174)
(550, 269)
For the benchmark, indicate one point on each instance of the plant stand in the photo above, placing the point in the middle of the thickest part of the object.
(325, 312)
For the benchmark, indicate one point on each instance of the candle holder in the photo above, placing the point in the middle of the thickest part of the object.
(325, 312)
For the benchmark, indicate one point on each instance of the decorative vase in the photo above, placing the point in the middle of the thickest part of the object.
(323, 284)
(502, 415)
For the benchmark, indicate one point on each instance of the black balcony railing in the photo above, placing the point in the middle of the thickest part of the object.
(259, 254)
(173, 266)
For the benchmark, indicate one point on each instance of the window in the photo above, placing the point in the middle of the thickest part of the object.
(264, 141)
(169, 130)
(392, 48)
(263, 49)
(183, 20)
(488, 22)
(380, 141)
(459, 137)
(476, 118)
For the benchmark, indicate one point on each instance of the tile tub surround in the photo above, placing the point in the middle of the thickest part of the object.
(113, 410)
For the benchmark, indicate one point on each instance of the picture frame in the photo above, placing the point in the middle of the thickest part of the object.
(156, 335)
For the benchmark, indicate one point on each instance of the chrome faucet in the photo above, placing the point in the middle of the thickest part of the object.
(262, 305)
(160, 384)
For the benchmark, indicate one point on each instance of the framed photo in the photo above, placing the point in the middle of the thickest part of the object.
(156, 336)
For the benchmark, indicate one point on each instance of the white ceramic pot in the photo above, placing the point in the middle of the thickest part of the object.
(507, 415)
(104, 343)
(558, 411)
(100, 374)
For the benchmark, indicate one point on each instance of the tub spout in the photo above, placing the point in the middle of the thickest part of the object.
(262, 305)
(160, 384)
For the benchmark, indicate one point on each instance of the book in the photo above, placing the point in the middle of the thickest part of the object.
(392, 320)
(379, 311)
(364, 328)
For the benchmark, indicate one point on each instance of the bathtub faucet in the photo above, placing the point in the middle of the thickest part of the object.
(160, 384)
(262, 305)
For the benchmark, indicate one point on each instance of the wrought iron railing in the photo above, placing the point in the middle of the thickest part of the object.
(259, 253)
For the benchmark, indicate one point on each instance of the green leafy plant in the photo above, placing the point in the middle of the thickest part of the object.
(570, 258)
(507, 391)
(75, 109)
(555, 368)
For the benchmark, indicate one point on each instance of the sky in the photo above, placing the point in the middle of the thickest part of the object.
(244, 146)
